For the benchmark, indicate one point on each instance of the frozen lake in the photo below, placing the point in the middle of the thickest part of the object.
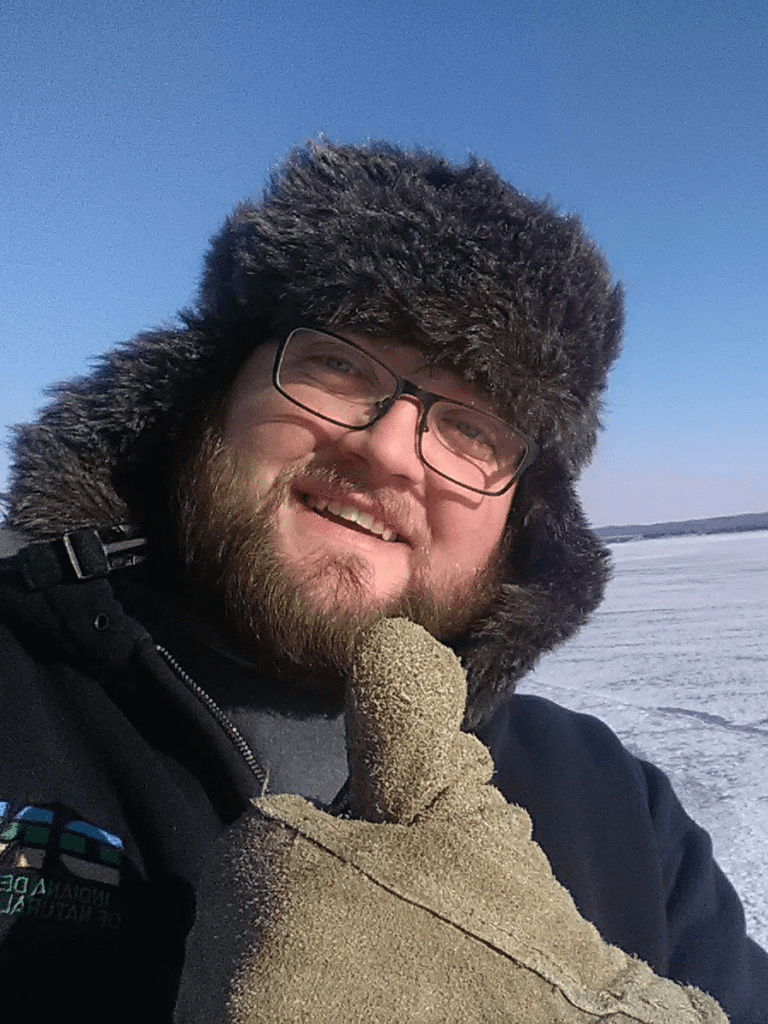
(676, 662)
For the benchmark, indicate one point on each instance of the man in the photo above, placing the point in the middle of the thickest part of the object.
(378, 408)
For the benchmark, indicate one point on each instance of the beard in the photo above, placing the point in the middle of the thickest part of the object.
(268, 614)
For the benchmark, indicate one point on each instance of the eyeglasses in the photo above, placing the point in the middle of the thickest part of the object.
(344, 384)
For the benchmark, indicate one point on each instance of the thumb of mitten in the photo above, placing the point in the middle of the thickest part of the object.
(404, 706)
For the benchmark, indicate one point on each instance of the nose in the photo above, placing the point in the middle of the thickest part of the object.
(389, 446)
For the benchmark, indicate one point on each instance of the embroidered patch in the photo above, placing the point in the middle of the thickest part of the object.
(54, 866)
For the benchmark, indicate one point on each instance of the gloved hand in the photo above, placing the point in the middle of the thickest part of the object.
(431, 905)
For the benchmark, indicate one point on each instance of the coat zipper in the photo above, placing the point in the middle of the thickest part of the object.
(216, 712)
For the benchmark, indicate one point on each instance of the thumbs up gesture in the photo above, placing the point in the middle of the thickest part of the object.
(430, 903)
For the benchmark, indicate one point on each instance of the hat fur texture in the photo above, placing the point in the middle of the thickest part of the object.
(393, 243)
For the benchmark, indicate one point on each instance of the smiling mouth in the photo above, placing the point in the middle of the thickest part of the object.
(354, 518)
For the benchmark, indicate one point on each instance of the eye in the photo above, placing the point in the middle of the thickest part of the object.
(336, 364)
(467, 433)
(342, 372)
(331, 367)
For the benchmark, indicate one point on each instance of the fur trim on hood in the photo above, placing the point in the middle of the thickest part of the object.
(388, 242)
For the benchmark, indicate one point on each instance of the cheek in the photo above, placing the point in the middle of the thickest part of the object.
(466, 535)
(469, 537)
(262, 449)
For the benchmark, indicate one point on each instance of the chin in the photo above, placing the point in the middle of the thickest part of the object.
(338, 601)
(337, 585)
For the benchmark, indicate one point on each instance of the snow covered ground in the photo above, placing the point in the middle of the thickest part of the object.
(676, 662)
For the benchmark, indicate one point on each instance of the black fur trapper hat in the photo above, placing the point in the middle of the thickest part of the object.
(392, 242)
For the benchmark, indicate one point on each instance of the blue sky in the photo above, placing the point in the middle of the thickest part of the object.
(130, 129)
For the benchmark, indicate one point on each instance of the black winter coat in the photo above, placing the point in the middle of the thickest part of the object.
(118, 773)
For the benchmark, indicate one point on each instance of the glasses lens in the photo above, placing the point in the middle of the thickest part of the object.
(471, 447)
(333, 378)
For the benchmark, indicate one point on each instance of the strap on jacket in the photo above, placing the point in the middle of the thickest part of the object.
(79, 555)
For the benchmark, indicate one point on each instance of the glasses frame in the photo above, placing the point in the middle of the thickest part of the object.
(403, 386)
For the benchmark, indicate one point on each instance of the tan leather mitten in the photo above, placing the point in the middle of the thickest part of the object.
(432, 905)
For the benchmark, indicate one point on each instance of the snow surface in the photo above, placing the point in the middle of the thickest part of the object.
(675, 661)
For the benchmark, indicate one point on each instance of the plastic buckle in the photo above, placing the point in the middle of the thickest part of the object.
(92, 555)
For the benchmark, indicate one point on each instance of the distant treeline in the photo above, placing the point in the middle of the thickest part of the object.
(719, 524)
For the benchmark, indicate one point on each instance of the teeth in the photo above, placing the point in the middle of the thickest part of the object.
(352, 515)
(365, 519)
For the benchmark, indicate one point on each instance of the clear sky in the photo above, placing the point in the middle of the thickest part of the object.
(130, 129)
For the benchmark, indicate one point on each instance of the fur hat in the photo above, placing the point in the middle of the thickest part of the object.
(404, 244)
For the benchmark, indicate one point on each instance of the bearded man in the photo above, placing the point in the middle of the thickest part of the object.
(246, 545)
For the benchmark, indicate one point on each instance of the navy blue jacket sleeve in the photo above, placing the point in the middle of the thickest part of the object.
(619, 840)
(707, 942)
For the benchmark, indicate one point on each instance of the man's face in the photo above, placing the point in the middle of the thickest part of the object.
(300, 532)
(360, 498)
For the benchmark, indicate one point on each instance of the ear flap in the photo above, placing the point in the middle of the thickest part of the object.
(557, 573)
